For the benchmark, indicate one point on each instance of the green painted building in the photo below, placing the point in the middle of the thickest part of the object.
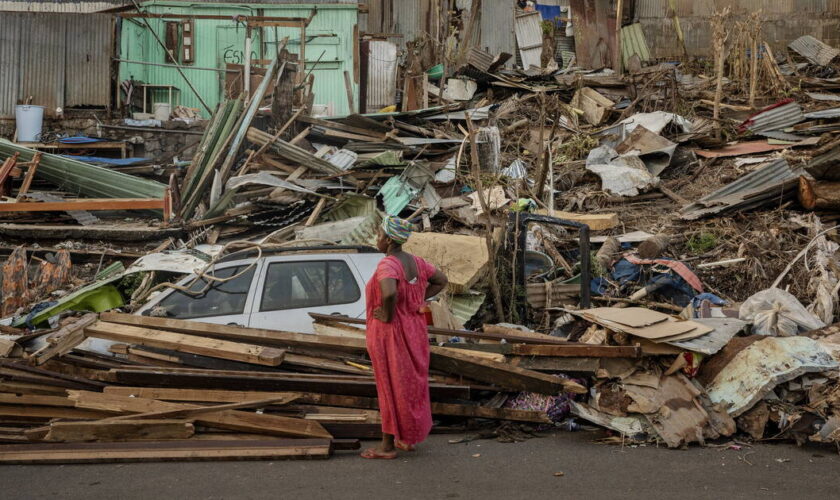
(329, 48)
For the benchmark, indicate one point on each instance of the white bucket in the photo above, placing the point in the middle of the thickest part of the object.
(162, 110)
(30, 121)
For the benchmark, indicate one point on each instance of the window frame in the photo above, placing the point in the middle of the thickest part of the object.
(327, 303)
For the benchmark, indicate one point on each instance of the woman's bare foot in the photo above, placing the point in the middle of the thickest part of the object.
(404, 446)
(377, 453)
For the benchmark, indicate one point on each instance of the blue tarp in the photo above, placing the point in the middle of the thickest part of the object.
(80, 140)
(107, 161)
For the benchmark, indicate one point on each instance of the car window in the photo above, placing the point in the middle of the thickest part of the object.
(221, 299)
(295, 285)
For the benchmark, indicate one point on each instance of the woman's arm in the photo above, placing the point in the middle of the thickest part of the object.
(437, 283)
(385, 312)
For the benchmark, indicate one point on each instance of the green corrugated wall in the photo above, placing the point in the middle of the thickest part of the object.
(216, 40)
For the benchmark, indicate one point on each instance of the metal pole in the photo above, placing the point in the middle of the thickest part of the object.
(247, 83)
(163, 65)
(177, 66)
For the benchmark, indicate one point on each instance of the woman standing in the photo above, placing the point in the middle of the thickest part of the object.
(397, 339)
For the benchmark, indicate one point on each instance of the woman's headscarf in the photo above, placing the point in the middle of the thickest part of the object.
(397, 229)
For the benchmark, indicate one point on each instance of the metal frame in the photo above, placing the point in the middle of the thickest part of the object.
(521, 221)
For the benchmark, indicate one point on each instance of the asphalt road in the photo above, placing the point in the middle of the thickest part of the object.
(479, 469)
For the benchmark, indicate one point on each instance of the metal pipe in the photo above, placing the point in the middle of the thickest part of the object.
(163, 65)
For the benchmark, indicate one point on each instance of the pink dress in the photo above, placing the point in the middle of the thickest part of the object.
(400, 352)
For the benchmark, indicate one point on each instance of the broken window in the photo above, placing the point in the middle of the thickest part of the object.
(180, 40)
(221, 299)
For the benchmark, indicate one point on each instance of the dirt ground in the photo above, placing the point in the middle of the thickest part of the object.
(480, 469)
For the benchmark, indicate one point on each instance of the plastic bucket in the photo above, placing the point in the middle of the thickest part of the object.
(162, 111)
(30, 121)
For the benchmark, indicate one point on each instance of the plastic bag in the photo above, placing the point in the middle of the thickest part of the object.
(777, 313)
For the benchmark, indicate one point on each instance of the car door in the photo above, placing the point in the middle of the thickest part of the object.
(225, 299)
(291, 287)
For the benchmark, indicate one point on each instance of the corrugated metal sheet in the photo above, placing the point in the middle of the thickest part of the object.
(382, 75)
(68, 6)
(42, 54)
(777, 175)
(528, 28)
(219, 42)
(464, 306)
(814, 50)
(9, 67)
(633, 42)
(59, 60)
(777, 117)
(88, 63)
(497, 31)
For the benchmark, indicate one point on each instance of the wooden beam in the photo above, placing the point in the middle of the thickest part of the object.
(234, 396)
(122, 430)
(187, 343)
(30, 175)
(91, 204)
(230, 419)
(64, 340)
(577, 351)
(502, 375)
(554, 364)
(152, 451)
(258, 336)
(508, 335)
(281, 382)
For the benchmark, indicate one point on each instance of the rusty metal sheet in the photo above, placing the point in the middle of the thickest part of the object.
(89, 49)
(760, 367)
(745, 148)
(15, 282)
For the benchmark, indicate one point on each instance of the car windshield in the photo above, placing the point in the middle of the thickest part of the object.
(222, 298)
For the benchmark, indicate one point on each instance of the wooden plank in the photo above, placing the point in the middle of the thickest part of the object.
(234, 396)
(596, 222)
(214, 348)
(192, 450)
(121, 430)
(259, 336)
(282, 399)
(35, 400)
(502, 375)
(64, 340)
(5, 173)
(509, 336)
(576, 351)
(229, 419)
(49, 412)
(472, 411)
(280, 382)
(555, 364)
(85, 204)
(370, 134)
(30, 176)
(51, 377)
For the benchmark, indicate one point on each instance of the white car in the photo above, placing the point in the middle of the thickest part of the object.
(276, 291)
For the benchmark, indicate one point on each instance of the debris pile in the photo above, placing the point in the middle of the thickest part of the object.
(652, 250)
